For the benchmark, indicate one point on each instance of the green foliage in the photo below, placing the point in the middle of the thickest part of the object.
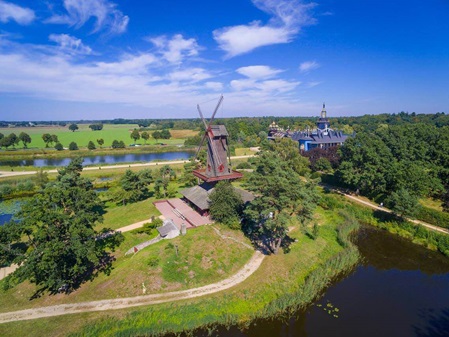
(323, 165)
(96, 126)
(57, 225)
(226, 205)
(165, 134)
(100, 142)
(280, 193)
(41, 178)
(73, 146)
(25, 139)
(147, 228)
(59, 147)
(73, 127)
(403, 203)
(118, 144)
(136, 185)
(188, 179)
(91, 145)
(243, 165)
(432, 216)
(145, 136)
(153, 261)
(135, 135)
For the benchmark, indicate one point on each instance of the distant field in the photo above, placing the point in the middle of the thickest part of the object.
(82, 136)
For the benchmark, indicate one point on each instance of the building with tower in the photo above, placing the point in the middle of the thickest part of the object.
(322, 137)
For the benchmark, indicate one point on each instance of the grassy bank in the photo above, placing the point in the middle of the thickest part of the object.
(283, 282)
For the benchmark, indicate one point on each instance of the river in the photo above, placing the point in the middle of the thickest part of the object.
(398, 289)
(101, 160)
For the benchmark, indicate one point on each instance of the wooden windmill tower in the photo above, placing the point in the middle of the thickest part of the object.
(217, 167)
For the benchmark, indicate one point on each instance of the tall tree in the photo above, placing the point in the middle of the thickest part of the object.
(25, 139)
(135, 135)
(226, 204)
(91, 145)
(73, 127)
(145, 136)
(100, 142)
(58, 227)
(280, 193)
(46, 137)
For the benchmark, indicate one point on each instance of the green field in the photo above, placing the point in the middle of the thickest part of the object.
(82, 136)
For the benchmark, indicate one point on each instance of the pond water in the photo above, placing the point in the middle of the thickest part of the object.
(399, 289)
(8, 209)
(104, 159)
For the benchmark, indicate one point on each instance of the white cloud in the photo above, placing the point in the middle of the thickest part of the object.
(308, 66)
(288, 17)
(176, 49)
(70, 44)
(107, 17)
(258, 71)
(215, 86)
(189, 75)
(21, 15)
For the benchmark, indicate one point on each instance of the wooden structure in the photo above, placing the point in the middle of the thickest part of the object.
(218, 157)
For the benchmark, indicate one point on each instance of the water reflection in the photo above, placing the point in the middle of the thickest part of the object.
(399, 289)
(106, 159)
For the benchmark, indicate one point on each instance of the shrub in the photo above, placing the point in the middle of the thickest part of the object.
(59, 147)
(244, 166)
(73, 146)
(153, 261)
(433, 216)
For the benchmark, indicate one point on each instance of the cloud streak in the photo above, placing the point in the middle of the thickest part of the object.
(308, 66)
(288, 18)
(12, 12)
(70, 44)
(79, 12)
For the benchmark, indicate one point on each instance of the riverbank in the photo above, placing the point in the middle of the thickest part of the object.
(281, 282)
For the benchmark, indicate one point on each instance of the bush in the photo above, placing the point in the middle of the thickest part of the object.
(244, 166)
(59, 147)
(153, 261)
(91, 145)
(432, 216)
(73, 146)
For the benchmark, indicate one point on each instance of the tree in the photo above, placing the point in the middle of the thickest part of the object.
(188, 179)
(100, 142)
(96, 127)
(54, 139)
(73, 146)
(226, 204)
(403, 203)
(135, 135)
(59, 147)
(280, 194)
(145, 136)
(41, 178)
(165, 134)
(13, 139)
(25, 139)
(323, 165)
(46, 137)
(73, 127)
(156, 135)
(91, 145)
(57, 226)
(288, 151)
(6, 142)
(162, 181)
(135, 185)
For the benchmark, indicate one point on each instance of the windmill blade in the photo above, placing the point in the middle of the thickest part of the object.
(216, 109)
(202, 117)
(201, 145)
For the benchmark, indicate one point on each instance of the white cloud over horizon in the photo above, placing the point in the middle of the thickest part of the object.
(79, 12)
(10, 11)
(288, 18)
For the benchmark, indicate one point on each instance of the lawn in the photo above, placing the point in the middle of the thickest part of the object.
(279, 275)
(109, 133)
(202, 257)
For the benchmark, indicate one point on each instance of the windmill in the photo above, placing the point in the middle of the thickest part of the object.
(217, 167)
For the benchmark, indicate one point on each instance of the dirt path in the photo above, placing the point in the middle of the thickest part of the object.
(121, 303)
(108, 167)
(383, 209)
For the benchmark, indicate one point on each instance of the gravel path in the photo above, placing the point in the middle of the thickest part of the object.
(121, 303)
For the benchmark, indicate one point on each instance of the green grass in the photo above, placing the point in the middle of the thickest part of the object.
(203, 258)
(282, 281)
(109, 133)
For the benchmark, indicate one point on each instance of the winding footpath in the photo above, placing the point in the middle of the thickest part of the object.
(128, 302)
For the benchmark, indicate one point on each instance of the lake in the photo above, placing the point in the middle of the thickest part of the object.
(398, 289)
(104, 159)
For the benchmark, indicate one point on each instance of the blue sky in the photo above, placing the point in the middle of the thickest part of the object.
(104, 59)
